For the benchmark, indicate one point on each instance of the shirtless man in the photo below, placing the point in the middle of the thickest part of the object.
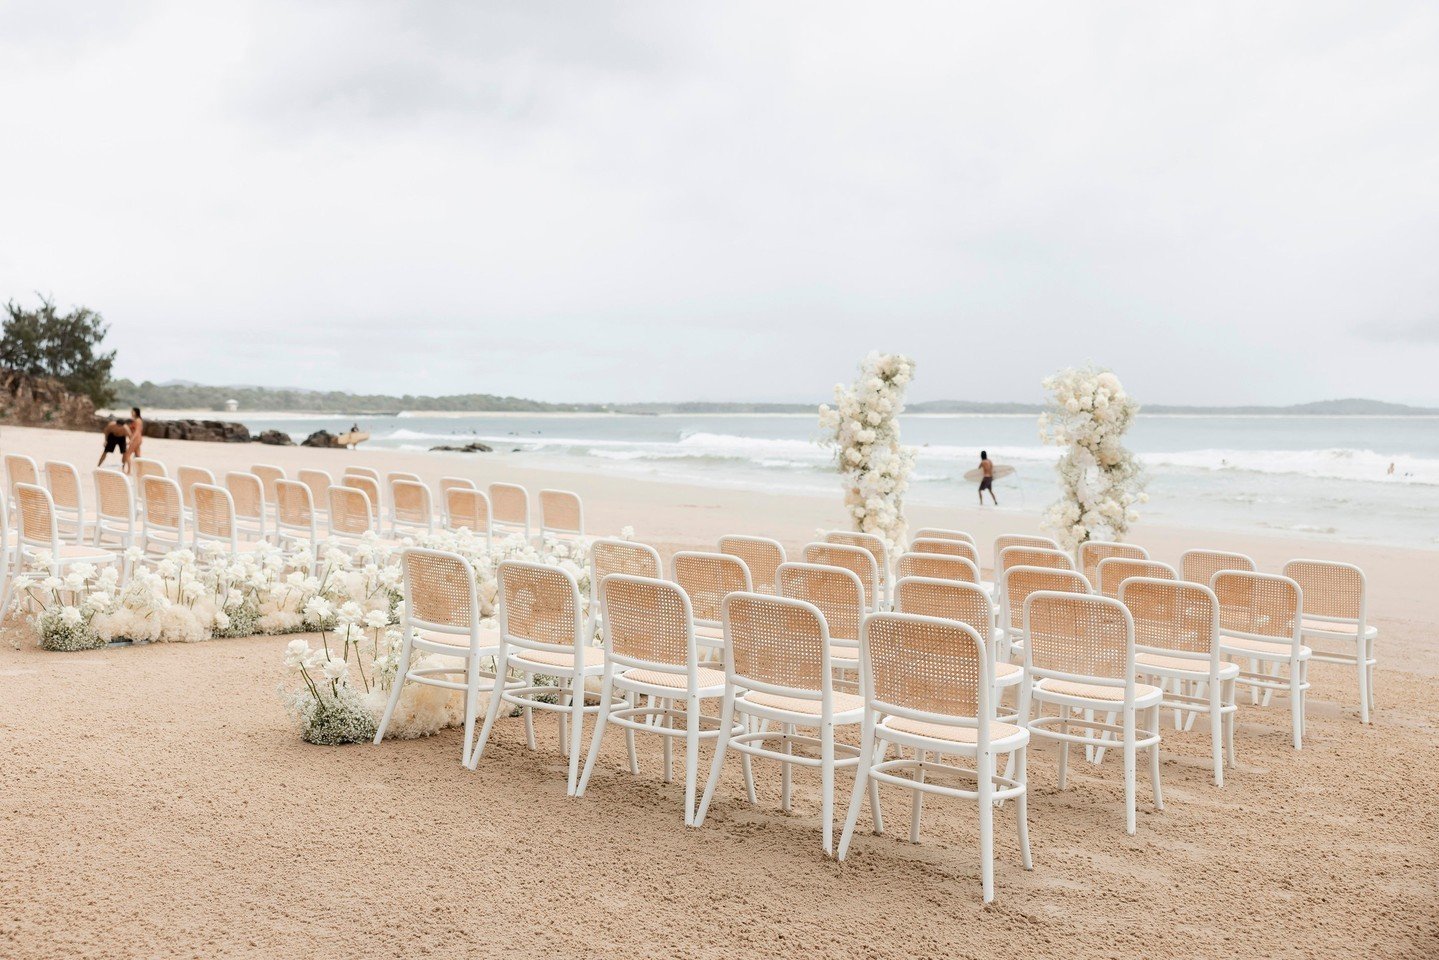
(115, 436)
(987, 481)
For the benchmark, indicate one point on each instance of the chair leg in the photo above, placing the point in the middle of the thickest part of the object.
(1154, 762)
(1021, 806)
(786, 776)
(400, 675)
(668, 746)
(577, 728)
(1130, 821)
(1216, 731)
(826, 785)
(986, 823)
(472, 703)
(1063, 746)
(502, 665)
(692, 756)
(861, 781)
(603, 719)
(1296, 705)
(530, 717)
(726, 721)
(1230, 719)
(876, 811)
(916, 802)
(1363, 682)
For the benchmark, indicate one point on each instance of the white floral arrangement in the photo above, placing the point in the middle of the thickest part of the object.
(1100, 480)
(863, 427)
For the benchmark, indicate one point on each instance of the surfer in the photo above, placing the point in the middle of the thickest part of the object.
(986, 480)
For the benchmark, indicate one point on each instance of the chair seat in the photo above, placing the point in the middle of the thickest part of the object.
(1094, 691)
(1337, 628)
(1007, 674)
(1183, 665)
(843, 702)
(594, 657)
(705, 678)
(1244, 646)
(1000, 734)
(708, 633)
(488, 638)
(76, 551)
(838, 652)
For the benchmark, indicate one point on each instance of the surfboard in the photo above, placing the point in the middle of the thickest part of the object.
(351, 438)
(1001, 470)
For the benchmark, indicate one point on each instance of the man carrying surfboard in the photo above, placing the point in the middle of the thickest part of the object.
(986, 479)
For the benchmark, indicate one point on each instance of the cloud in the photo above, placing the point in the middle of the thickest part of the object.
(1420, 331)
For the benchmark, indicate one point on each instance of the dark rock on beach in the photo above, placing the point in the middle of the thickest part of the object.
(276, 438)
(214, 431)
(473, 446)
(320, 438)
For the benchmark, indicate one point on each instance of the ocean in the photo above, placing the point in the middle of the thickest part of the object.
(1322, 477)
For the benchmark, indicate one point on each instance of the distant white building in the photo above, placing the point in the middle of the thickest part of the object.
(231, 406)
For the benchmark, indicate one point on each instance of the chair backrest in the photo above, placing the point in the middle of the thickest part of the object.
(319, 482)
(469, 508)
(945, 547)
(835, 591)
(761, 554)
(439, 591)
(1173, 617)
(926, 668)
(619, 556)
(939, 533)
(539, 606)
(63, 480)
(1259, 606)
(247, 493)
(708, 578)
(114, 497)
(367, 485)
(937, 566)
(1020, 582)
(451, 483)
(164, 504)
(145, 467)
(561, 513)
(357, 471)
(777, 645)
(214, 512)
(648, 623)
(268, 475)
(857, 559)
(1093, 552)
(947, 599)
(868, 541)
(296, 508)
(37, 516)
(510, 504)
(1113, 571)
(1332, 590)
(1200, 566)
(1005, 541)
(20, 469)
(410, 504)
(350, 512)
(402, 475)
(1022, 556)
(1082, 638)
(188, 477)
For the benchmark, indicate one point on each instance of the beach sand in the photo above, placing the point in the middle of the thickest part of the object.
(158, 804)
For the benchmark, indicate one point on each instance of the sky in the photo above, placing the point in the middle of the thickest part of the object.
(584, 201)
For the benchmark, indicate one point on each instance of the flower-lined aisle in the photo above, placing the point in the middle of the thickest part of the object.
(863, 427)
(351, 597)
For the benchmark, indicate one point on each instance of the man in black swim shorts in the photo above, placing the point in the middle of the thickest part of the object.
(115, 434)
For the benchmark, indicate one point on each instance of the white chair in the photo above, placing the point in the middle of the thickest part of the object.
(370, 487)
(940, 533)
(778, 671)
(928, 687)
(1094, 552)
(358, 471)
(295, 520)
(115, 513)
(937, 566)
(410, 510)
(1113, 571)
(762, 555)
(510, 509)
(319, 482)
(351, 517)
(215, 519)
(187, 477)
(838, 594)
(969, 604)
(650, 651)
(1018, 584)
(38, 534)
(1336, 613)
(269, 474)
(19, 469)
(608, 557)
(542, 630)
(1200, 566)
(1261, 618)
(442, 617)
(164, 526)
(857, 559)
(252, 511)
(1079, 655)
(63, 481)
(708, 578)
(468, 509)
(1176, 638)
(879, 550)
(562, 515)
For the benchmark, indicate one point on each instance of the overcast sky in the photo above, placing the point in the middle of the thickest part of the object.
(1225, 203)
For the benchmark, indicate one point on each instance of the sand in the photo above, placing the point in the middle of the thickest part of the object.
(157, 804)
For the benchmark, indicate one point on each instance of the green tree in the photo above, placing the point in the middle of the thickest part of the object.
(65, 346)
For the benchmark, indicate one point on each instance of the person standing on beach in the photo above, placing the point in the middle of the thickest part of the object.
(115, 435)
(137, 436)
(986, 481)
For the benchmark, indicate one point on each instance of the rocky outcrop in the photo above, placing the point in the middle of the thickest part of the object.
(320, 438)
(473, 446)
(276, 438)
(27, 401)
(214, 431)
